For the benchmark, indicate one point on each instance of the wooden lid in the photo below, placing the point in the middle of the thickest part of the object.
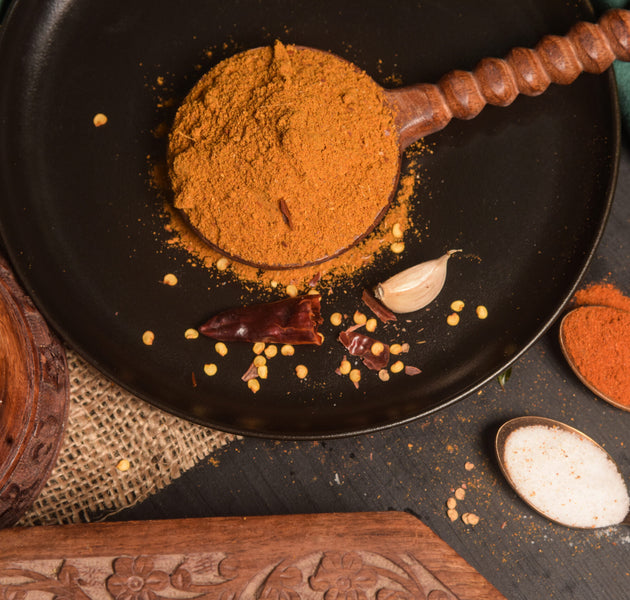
(34, 396)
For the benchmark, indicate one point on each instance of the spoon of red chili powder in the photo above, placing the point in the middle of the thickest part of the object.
(288, 156)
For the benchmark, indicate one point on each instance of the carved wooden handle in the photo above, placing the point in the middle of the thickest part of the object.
(588, 47)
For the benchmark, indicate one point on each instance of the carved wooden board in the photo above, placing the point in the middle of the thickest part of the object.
(34, 396)
(361, 556)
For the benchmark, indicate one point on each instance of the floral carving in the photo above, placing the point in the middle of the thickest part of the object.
(136, 579)
(343, 577)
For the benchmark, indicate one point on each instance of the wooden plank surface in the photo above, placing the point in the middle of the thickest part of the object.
(389, 556)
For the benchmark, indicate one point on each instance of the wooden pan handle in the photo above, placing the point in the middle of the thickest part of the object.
(588, 47)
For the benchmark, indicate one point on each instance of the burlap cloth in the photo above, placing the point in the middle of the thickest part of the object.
(107, 425)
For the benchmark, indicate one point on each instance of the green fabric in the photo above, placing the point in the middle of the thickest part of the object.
(622, 69)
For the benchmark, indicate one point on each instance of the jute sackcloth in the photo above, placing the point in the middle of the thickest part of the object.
(107, 425)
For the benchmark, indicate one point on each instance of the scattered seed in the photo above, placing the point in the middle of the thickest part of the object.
(221, 348)
(460, 493)
(397, 247)
(377, 348)
(470, 519)
(395, 349)
(191, 334)
(397, 367)
(253, 385)
(452, 514)
(271, 350)
(457, 306)
(301, 371)
(273, 283)
(451, 503)
(99, 119)
(258, 347)
(292, 290)
(355, 375)
(263, 371)
(123, 465)
(260, 360)
(148, 337)
(383, 375)
(287, 350)
(469, 466)
(210, 369)
(345, 367)
(169, 279)
(482, 312)
(222, 264)
(370, 325)
(359, 318)
(452, 319)
(397, 231)
(335, 319)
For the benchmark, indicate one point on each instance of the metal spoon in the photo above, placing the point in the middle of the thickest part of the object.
(423, 109)
(500, 442)
(570, 360)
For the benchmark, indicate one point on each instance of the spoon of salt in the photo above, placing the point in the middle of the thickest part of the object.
(562, 474)
(423, 109)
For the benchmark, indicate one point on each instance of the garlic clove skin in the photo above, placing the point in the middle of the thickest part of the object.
(415, 287)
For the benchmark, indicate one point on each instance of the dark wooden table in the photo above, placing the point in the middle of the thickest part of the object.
(415, 468)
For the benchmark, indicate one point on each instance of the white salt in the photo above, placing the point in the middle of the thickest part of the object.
(566, 476)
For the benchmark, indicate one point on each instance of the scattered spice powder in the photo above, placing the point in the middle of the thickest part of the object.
(602, 294)
(283, 155)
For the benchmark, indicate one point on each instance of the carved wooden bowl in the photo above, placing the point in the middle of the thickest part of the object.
(33, 399)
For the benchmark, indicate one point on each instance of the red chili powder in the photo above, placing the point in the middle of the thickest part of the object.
(596, 337)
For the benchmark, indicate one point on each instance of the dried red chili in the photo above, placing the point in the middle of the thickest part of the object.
(288, 321)
(384, 314)
(362, 346)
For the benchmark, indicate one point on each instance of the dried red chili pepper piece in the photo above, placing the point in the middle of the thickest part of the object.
(361, 345)
(384, 314)
(288, 321)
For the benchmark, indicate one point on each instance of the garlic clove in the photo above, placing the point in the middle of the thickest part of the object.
(415, 287)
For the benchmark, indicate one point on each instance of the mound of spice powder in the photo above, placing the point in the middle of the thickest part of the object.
(596, 336)
(283, 155)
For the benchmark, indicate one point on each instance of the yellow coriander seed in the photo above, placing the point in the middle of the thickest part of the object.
(292, 290)
(271, 350)
(482, 312)
(345, 367)
(191, 334)
(355, 375)
(258, 347)
(457, 305)
(287, 350)
(359, 318)
(397, 247)
(397, 367)
(123, 465)
(469, 466)
(253, 385)
(377, 348)
(460, 493)
(452, 319)
(451, 503)
(395, 349)
(221, 348)
(263, 371)
(148, 337)
(222, 264)
(301, 371)
(210, 369)
(169, 279)
(370, 325)
(99, 119)
(335, 319)
(383, 375)
(397, 231)
(452, 514)
(260, 360)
